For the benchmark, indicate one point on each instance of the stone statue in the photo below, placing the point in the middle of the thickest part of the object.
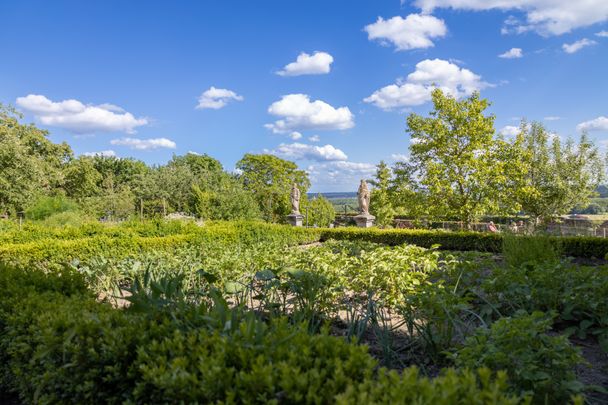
(363, 197)
(295, 200)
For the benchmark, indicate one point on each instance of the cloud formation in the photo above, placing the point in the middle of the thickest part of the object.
(103, 153)
(340, 174)
(417, 87)
(415, 31)
(79, 118)
(509, 131)
(578, 45)
(301, 151)
(215, 98)
(318, 63)
(512, 53)
(597, 124)
(145, 144)
(546, 17)
(299, 113)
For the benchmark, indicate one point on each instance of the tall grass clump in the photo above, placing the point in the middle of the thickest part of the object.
(518, 250)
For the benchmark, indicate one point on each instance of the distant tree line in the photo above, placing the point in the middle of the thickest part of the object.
(40, 178)
(458, 168)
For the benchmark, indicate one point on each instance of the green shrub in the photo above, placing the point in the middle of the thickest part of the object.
(536, 362)
(47, 206)
(451, 387)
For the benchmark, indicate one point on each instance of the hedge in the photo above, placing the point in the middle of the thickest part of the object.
(120, 243)
(31, 232)
(575, 246)
(59, 345)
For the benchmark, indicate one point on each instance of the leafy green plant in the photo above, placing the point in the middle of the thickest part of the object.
(577, 294)
(438, 316)
(536, 362)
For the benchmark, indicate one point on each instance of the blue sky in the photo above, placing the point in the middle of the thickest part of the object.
(325, 83)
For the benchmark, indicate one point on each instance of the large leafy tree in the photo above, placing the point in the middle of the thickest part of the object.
(456, 164)
(270, 178)
(30, 164)
(558, 177)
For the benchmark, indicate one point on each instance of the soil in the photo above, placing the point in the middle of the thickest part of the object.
(596, 372)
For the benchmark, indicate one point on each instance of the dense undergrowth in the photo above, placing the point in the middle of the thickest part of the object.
(238, 313)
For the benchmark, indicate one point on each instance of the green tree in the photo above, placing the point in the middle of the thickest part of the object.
(381, 204)
(270, 178)
(30, 164)
(321, 212)
(228, 201)
(82, 180)
(166, 189)
(557, 177)
(456, 164)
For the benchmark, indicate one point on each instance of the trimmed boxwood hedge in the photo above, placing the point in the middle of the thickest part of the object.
(63, 245)
(575, 246)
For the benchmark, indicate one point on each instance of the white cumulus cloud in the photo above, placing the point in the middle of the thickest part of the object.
(295, 135)
(214, 98)
(80, 118)
(314, 138)
(298, 113)
(597, 124)
(578, 45)
(145, 144)
(509, 131)
(417, 87)
(319, 63)
(512, 53)
(547, 17)
(552, 118)
(342, 175)
(602, 34)
(301, 151)
(103, 153)
(412, 32)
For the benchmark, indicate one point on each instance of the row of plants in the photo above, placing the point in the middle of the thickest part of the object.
(58, 344)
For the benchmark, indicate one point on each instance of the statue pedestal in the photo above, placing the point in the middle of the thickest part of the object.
(295, 219)
(365, 220)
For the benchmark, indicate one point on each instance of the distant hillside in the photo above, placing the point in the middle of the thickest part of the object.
(335, 195)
